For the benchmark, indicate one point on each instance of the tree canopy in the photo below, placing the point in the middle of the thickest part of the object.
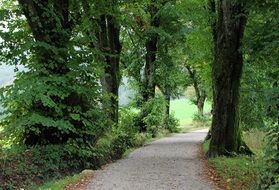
(75, 54)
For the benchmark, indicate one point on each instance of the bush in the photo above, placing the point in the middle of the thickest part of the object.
(270, 173)
(23, 166)
(154, 114)
(140, 138)
(172, 124)
(127, 121)
(201, 118)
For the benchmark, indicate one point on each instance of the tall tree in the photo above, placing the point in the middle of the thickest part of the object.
(105, 28)
(51, 26)
(151, 51)
(229, 20)
(199, 89)
(56, 98)
(109, 44)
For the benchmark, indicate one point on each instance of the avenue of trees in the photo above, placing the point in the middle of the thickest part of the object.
(76, 53)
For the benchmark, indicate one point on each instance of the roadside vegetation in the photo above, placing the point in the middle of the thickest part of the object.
(61, 113)
(26, 168)
(240, 171)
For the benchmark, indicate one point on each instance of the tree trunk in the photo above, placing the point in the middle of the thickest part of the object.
(167, 111)
(226, 75)
(199, 91)
(109, 43)
(200, 106)
(148, 83)
(150, 58)
(54, 29)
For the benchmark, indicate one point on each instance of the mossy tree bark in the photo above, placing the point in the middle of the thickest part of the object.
(228, 30)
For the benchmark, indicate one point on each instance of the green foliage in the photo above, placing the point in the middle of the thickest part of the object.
(270, 171)
(140, 139)
(201, 118)
(22, 167)
(154, 114)
(172, 124)
(127, 120)
(60, 184)
(260, 84)
(57, 97)
(238, 172)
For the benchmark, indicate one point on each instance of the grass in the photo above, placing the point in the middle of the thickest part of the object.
(254, 139)
(240, 172)
(61, 184)
(184, 110)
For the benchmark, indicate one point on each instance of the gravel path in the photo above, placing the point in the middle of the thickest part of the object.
(166, 164)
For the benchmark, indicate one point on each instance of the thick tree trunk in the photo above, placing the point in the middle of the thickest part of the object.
(50, 24)
(109, 43)
(150, 58)
(226, 75)
(148, 83)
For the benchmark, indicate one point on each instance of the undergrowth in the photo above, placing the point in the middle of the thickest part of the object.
(26, 167)
(241, 172)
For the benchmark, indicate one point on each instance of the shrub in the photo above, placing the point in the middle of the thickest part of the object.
(172, 124)
(140, 138)
(201, 118)
(270, 172)
(154, 114)
(127, 121)
(23, 166)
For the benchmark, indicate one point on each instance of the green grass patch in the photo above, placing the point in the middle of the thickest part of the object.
(60, 184)
(184, 110)
(241, 172)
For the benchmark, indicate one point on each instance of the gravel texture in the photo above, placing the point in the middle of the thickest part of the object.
(168, 163)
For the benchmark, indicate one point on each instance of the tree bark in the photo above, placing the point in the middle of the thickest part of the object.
(228, 32)
(199, 91)
(148, 83)
(167, 95)
(150, 57)
(109, 43)
(50, 24)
